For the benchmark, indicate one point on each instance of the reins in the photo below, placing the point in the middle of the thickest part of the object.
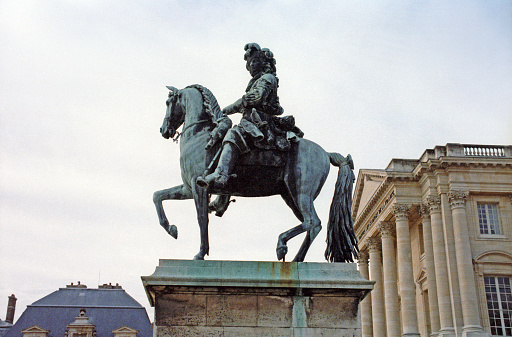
(178, 134)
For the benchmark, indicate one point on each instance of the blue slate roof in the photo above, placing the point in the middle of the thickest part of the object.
(107, 309)
(4, 327)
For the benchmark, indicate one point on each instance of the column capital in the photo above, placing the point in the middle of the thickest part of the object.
(457, 198)
(386, 229)
(424, 211)
(373, 243)
(363, 257)
(401, 211)
(434, 203)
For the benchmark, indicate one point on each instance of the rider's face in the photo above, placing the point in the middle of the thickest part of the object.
(255, 66)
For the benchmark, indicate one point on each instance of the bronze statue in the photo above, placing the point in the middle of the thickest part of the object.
(259, 126)
(264, 155)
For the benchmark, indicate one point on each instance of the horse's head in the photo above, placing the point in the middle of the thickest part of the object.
(174, 115)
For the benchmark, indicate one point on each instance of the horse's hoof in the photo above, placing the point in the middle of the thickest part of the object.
(281, 252)
(198, 257)
(173, 231)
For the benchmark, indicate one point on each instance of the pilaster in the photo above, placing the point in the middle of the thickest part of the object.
(469, 301)
(405, 271)
(451, 256)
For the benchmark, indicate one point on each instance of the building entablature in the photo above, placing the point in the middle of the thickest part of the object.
(372, 211)
(390, 191)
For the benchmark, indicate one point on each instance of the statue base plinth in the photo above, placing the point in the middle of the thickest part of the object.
(249, 298)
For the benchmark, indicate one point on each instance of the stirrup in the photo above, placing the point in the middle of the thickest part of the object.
(219, 180)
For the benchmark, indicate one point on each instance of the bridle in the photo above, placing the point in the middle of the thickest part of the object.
(173, 101)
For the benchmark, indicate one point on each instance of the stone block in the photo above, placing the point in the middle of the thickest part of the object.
(333, 312)
(189, 331)
(326, 332)
(257, 331)
(232, 310)
(180, 309)
(275, 311)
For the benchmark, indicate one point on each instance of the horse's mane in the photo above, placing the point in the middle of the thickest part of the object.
(210, 103)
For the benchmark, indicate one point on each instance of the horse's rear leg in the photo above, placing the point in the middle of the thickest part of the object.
(311, 225)
(174, 193)
(310, 237)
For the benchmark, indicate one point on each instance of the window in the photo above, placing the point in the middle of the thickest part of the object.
(488, 219)
(499, 305)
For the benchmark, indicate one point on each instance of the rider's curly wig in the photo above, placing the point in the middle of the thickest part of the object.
(253, 50)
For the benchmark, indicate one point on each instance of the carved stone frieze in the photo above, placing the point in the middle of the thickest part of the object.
(401, 211)
(387, 229)
(457, 198)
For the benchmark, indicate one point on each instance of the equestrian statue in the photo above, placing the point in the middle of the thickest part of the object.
(264, 155)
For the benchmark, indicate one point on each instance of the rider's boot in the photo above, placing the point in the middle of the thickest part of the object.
(220, 176)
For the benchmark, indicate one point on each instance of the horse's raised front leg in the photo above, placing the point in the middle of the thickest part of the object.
(174, 193)
(201, 200)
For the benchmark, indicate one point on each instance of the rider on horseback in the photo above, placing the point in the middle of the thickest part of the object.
(259, 127)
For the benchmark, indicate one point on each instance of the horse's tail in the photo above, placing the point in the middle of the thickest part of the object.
(341, 239)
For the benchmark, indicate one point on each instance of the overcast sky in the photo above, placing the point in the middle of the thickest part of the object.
(82, 98)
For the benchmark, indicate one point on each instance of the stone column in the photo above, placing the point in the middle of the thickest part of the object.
(453, 274)
(405, 272)
(430, 270)
(378, 312)
(469, 301)
(389, 271)
(441, 269)
(366, 303)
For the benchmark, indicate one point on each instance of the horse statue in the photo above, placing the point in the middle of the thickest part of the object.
(297, 175)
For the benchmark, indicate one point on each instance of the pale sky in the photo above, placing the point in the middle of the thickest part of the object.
(82, 98)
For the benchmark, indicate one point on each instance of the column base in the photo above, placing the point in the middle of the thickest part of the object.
(449, 332)
(474, 331)
(411, 334)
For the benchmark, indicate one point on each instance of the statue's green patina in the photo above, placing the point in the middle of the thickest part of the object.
(261, 156)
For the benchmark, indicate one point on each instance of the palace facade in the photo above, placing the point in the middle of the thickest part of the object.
(435, 234)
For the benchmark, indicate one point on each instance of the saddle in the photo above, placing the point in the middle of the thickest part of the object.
(261, 157)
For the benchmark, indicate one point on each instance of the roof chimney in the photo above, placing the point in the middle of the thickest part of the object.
(11, 307)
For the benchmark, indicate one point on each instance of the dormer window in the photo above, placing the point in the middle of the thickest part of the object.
(125, 331)
(81, 327)
(35, 331)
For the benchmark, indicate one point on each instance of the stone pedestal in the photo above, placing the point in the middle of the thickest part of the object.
(239, 298)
